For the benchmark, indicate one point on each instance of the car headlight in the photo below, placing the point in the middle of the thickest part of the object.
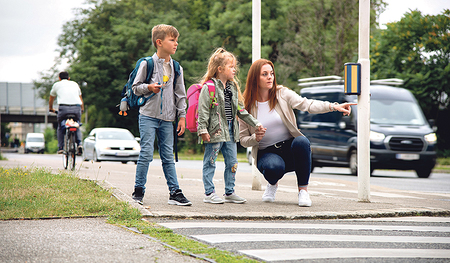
(376, 136)
(431, 138)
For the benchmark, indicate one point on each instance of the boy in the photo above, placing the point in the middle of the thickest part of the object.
(157, 115)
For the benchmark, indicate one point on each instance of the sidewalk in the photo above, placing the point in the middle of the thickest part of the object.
(75, 240)
(331, 198)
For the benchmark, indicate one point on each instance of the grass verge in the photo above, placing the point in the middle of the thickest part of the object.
(37, 193)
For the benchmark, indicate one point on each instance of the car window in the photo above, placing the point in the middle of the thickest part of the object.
(395, 112)
(35, 139)
(114, 135)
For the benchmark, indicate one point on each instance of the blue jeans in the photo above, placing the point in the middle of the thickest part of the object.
(148, 128)
(294, 155)
(62, 112)
(229, 152)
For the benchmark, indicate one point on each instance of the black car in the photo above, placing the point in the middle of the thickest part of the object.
(400, 136)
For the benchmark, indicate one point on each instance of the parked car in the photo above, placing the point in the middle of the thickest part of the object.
(111, 144)
(35, 142)
(400, 136)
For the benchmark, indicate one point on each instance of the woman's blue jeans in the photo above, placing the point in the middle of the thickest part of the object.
(148, 128)
(275, 163)
(229, 152)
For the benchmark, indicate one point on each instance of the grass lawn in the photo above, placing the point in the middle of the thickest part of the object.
(38, 194)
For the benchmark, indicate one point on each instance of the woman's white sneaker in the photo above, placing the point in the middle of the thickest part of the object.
(212, 198)
(303, 198)
(269, 194)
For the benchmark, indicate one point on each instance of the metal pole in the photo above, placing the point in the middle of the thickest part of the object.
(256, 54)
(363, 154)
(256, 30)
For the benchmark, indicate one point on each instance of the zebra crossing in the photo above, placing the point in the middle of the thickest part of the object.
(412, 239)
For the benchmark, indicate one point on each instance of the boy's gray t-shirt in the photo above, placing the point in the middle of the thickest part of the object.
(170, 100)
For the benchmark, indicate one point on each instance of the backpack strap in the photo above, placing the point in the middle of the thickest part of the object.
(212, 94)
(149, 69)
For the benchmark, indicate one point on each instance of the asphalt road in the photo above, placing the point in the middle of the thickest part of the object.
(400, 180)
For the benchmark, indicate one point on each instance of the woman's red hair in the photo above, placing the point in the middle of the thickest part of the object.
(252, 85)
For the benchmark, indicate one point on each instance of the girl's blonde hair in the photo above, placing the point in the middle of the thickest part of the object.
(219, 58)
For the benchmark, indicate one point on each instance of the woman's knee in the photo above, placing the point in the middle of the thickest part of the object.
(301, 144)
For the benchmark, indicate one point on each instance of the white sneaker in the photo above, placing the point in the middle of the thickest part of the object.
(234, 198)
(269, 194)
(213, 199)
(303, 198)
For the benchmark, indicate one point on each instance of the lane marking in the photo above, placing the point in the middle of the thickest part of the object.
(225, 238)
(320, 253)
(259, 225)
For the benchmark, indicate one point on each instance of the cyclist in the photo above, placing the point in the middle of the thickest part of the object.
(69, 100)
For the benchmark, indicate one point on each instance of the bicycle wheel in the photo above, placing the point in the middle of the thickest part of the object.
(72, 151)
(66, 153)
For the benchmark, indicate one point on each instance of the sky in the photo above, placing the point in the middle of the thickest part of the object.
(29, 30)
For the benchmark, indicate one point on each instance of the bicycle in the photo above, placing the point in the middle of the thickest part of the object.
(70, 145)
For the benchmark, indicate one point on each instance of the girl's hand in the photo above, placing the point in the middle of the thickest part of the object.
(260, 132)
(205, 137)
(344, 107)
(154, 87)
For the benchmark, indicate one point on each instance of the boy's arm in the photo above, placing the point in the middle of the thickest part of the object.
(141, 88)
(179, 91)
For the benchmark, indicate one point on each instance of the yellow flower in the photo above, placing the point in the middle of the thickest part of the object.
(165, 78)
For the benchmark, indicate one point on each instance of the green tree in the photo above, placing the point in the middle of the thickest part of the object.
(321, 37)
(104, 41)
(417, 50)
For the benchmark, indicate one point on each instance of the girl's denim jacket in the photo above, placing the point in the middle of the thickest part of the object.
(212, 118)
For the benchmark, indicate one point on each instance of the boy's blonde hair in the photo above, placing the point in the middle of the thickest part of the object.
(220, 58)
(161, 31)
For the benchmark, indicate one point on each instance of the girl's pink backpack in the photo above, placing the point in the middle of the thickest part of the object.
(192, 96)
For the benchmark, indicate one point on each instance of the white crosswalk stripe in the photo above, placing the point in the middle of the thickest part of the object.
(410, 238)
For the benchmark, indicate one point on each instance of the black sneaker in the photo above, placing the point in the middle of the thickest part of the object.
(177, 198)
(80, 150)
(138, 195)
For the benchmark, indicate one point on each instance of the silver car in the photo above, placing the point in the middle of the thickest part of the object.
(111, 144)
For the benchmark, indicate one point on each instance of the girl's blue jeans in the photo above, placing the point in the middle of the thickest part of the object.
(229, 152)
(274, 163)
(148, 128)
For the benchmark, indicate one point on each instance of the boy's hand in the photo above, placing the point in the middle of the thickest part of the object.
(154, 87)
(181, 126)
(205, 137)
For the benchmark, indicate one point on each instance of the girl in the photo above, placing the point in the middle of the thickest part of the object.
(218, 125)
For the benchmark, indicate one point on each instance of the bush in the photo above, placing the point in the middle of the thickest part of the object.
(51, 143)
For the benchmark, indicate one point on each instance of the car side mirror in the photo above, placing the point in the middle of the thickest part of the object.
(137, 139)
(432, 124)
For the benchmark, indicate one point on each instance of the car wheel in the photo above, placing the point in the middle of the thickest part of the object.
(124, 162)
(423, 172)
(95, 157)
(135, 162)
(353, 163)
(312, 166)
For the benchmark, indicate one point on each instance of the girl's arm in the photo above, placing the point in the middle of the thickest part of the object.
(244, 115)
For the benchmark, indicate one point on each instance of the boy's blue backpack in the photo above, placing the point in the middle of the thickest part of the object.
(131, 100)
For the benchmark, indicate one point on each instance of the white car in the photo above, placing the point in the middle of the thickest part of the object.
(35, 142)
(111, 144)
